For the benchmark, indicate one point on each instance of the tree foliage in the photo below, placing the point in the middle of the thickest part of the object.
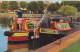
(58, 4)
(68, 10)
(54, 7)
(4, 5)
(72, 3)
(23, 4)
(33, 6)
(13, 5)
(41, 6)
(78, 6)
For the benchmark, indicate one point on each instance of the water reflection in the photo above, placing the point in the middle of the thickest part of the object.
(3, 39)
(4, 22)
(22, 46)
(18, 47)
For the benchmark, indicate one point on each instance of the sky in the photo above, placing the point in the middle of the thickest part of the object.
(40, 0)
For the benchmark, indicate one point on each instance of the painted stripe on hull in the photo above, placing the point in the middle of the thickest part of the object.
(18, 38)
(20, 34)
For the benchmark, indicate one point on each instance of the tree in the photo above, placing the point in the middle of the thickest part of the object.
(78, 6)
(23, 4)
(4, 5)
(41, 5)
(58, 4)
(68, 10)
(53, 7)
(72, 3)
(33, 6)
(13, 5)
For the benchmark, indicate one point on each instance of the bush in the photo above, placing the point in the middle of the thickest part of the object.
(68, 10)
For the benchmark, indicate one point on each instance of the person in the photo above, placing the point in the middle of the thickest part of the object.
(19, 20)
(71, 18)
(19, 13)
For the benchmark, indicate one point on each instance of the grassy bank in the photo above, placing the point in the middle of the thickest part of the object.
(75, 47)
(7, 14)
(15, 15)
(24, 15)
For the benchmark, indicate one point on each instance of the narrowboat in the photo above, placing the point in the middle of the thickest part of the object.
(30, 30)
(21, 35)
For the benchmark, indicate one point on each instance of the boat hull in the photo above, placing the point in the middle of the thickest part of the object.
(18, 38)
(20, 34)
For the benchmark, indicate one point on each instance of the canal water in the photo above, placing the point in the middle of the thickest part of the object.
(23, 46)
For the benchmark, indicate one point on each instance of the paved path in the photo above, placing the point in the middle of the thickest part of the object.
(66, 43)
